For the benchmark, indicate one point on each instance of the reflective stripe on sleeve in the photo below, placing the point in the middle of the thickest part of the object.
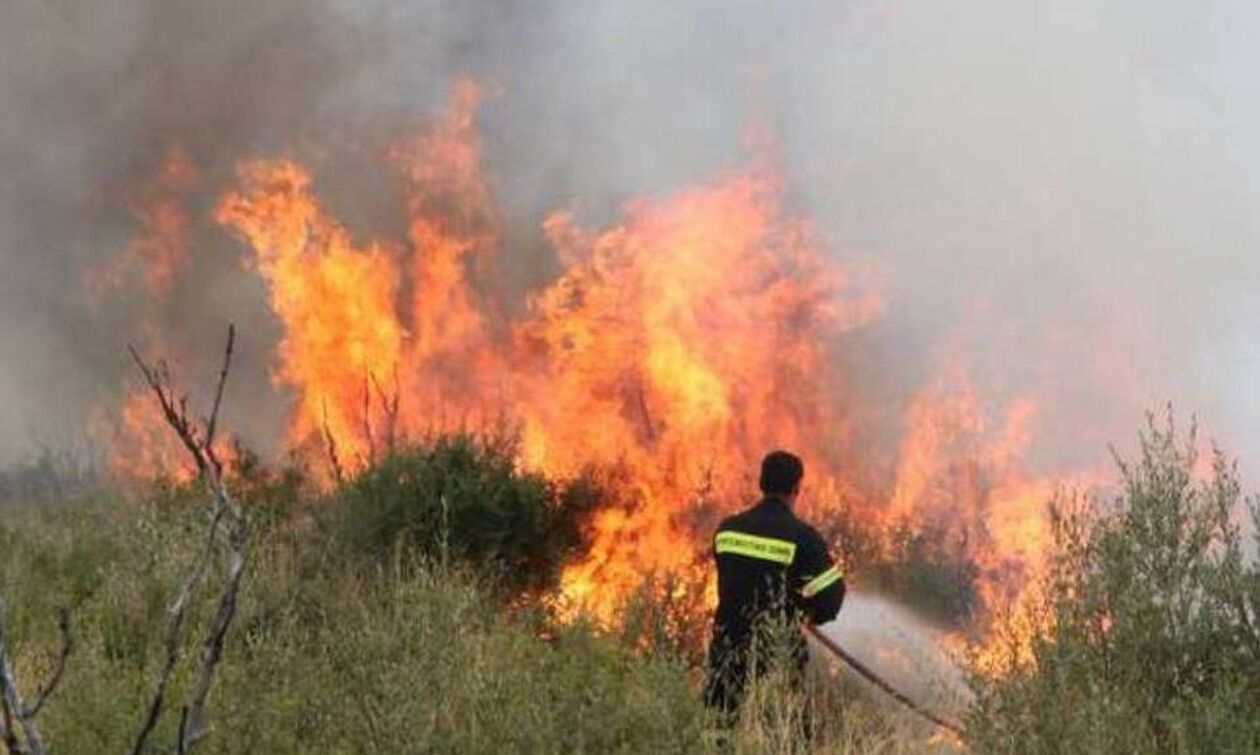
(822, 582)
(754, 546)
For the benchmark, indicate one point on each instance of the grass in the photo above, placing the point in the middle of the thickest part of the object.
(336, 653)
(356, 636)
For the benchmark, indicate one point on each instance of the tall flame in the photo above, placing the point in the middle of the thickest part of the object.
(688, 339)
(335, 300)
(678, 344)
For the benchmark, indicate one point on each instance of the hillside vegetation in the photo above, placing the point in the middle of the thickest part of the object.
(1149, 641)
(405, 613)
(358, 633)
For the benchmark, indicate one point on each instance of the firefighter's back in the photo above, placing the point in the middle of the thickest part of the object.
(774, 571)
(755, 550)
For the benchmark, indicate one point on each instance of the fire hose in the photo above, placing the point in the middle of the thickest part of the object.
(866, 673)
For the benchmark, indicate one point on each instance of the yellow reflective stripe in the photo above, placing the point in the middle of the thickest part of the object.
(753, 546)
(822, 582)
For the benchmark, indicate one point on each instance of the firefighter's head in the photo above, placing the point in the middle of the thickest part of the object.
(781, 474)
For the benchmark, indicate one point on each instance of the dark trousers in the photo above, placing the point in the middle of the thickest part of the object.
(730, 669)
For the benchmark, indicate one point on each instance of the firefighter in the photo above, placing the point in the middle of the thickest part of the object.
(773, 570)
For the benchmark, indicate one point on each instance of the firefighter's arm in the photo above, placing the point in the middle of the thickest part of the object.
(822, 581)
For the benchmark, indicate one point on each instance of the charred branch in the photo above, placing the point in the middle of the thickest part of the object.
(389, 406)
(330, 447)
(649, 427)
(367, 421)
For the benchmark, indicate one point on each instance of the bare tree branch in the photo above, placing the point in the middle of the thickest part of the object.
(224, 508)
(15, 713)
(181, 744)
(174, 410)
(194, 726)
(8, 734)
(213, 421)
(59, 668)
(8, 729)
(176, 613)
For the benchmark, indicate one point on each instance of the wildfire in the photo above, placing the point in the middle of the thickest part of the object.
(335, 301)
(677, 345)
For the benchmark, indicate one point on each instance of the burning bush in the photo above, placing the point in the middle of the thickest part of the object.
(921, 567)
(1147, 638)
(463, 497)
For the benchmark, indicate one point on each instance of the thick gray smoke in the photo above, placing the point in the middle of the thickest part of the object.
(1063, 192)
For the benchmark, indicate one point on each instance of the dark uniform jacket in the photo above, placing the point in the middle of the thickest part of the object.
(772, 568)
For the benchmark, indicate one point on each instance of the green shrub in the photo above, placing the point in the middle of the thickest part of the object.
(401, 658)
(463, 498)
(1149, 638)
(402, 655)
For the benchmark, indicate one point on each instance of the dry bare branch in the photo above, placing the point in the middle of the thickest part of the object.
(59, 667)
(174, 409)
(225, 511)
(193, 727)
(181, 744)
(16, 715)
(212, 422)
(8, 734)
(176, 613)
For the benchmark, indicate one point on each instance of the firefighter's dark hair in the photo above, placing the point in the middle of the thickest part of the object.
(781, 472)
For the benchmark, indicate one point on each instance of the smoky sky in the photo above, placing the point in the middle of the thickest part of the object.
(1062, 193)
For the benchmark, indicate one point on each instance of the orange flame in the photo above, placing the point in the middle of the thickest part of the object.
(678, 345)
(335, 300)
(688, 339)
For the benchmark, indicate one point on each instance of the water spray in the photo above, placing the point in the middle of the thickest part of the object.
(866, 673)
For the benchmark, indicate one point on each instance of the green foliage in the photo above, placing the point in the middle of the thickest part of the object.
(403, 658)
(463, 498)
(1150, 640)
(397, 655)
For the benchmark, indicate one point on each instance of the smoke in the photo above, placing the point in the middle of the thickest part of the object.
(1060, 192)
